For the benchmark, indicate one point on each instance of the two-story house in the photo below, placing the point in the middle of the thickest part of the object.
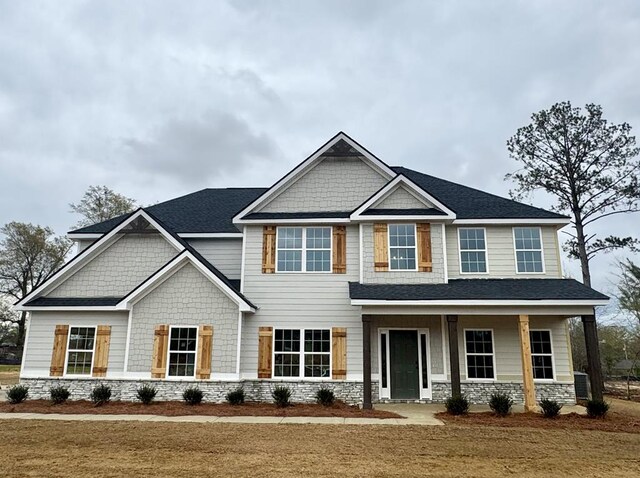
(380, 282)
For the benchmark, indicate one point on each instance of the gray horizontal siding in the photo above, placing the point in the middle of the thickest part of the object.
(224, 254)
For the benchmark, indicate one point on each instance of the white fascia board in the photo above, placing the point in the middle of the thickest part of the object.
(550, 302)
(559, 221)
(370, 218)
(309, 163)
(390, 187)
(67, 308)
(82, 236)
(319, 220)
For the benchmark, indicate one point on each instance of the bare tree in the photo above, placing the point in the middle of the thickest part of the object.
(100, 203)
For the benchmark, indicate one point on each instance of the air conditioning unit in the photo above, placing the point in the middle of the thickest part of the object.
(581, 383)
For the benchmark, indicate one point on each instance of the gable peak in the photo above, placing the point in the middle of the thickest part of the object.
(341, 149)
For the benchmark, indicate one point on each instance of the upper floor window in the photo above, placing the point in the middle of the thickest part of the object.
(80, 350)
(304, 249)
(473, 250)
(528, 246)
(402, 247)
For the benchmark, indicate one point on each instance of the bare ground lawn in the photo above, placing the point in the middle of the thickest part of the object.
(9, 374)
(105, 449)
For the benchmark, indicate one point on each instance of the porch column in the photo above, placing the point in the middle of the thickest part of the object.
(366, 362)
(593, 355)
(454, 357)
(527, 367)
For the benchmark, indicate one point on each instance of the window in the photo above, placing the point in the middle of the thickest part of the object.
(182, 351)
(313, 244)
(473, 251)
(312, 359)
(402, 247)
(541, 354)
(80, 350)
(528, 249)
(479, 351)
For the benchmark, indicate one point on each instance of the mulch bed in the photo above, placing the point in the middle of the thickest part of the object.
(613, 422)
(174, 409)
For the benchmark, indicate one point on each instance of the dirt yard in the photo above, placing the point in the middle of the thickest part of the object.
(9, 374)
(105, 449)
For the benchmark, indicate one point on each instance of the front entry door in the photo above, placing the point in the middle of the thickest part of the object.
(403, 348)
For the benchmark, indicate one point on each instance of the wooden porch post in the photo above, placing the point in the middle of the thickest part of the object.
(527, 367)
(454, 357)
(593, 355)
(366, 362)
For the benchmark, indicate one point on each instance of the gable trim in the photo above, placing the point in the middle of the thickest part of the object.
(308, 164)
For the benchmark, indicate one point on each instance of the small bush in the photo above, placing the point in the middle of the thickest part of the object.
(101, 394)
(500, 404)
(550, 408)
(281, 396)
(59, 394)
(457, 405)
(193, 396)
(146, 393)
(597, 408)
(236, 396)
(17, 393)
(325, 396)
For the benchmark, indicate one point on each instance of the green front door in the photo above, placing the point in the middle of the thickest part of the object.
(403, 358)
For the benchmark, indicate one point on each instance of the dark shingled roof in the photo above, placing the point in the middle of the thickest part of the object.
(469, 203)
(74, 301)
(479, 289)
(299, 215)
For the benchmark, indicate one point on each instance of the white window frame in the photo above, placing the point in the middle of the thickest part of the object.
(301, 354)
(93, 351)
(485, 250)
(303, 249)
(195, 353)
(552, 355)
(515, 251)
(415, 246)
(493, 355)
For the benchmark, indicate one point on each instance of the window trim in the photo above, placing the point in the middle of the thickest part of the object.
(486, 251)
(93, 351)
(493, 355)
(553, 356)
(303, 269)
(515, 251)
(195, 353)
(301, 354)
(415, 245)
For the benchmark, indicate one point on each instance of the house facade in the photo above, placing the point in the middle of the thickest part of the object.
(380, 282)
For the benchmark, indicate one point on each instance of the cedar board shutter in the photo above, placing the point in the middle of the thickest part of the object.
(339, 249)
(160, 347)
(339, 353)
(101, 357)
(380, 248)
(205, 349)
(265, 347)
(59, 353)
(424, 247)
(269, 250)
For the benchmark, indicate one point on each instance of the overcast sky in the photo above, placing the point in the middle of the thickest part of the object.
(159, 99)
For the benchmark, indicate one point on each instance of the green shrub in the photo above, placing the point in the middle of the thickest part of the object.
(17, 393)
(500, 404)
(597, 408)
(101, 394)
(146, 393)
(281, 396)
(193, 396)
(236, 396)
(550, 408)
(59, 394)
(457, 405)
(325, 396)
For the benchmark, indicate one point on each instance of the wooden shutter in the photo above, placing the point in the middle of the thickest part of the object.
(160, 347)
(101, 354)
(339, 249)
(424, 247)
(265, 347)
(59, 353)
(380, 247)
(205, 349)
(269, 250)
(339, 353)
